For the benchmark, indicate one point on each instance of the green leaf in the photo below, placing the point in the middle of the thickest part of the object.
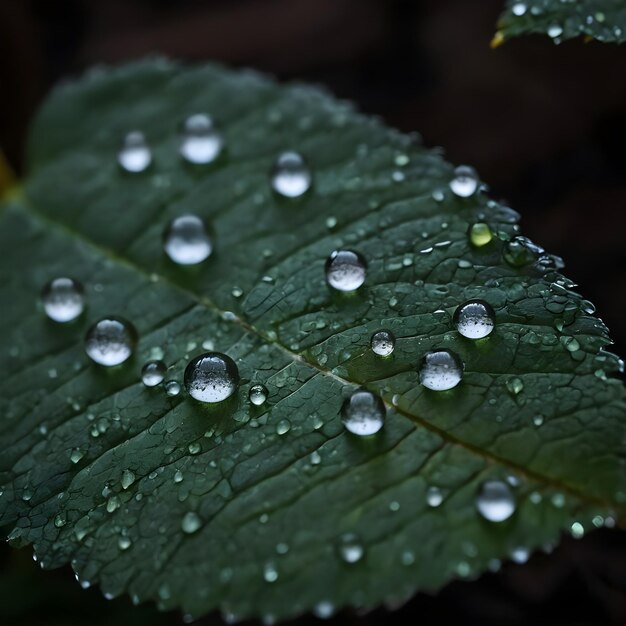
(604, 20)
(101, 472)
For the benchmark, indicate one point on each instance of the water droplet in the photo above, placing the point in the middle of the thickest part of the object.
(345, 270)
(186, 241)
(178, 477)
(135, 155)
(577, 530)
(554, 30)
(270, 573)
(76, 455)
(258, 394)
(63, 299)
(283, 427)
(350, 548)
(363, 413)
(521, 251)
(520, 554)
(172, 388)
(474, 319)
(324, 609)
(480, 234)
(123, 543)
(515, 385)
(465, 181)
(290, 176)
(383, 342)
(211, 377)
(191, 523)
(110, 341)
(128, 478)
(441, 370)
(434, 496)
(495, 501)
(200, 143)
(519, 8)
(153, 373)
(60, 520)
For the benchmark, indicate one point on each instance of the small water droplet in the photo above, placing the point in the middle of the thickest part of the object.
(123, 543)
(194, 448)
(258, 394)
(350, 548)
(63, 299)
(495, 501)
(60, 520)
(76, 455)
(345, 270)
(474, 319)
(153, 373)
(465, 181)
(324, 609)
(200, 143)
(554, 31)
(480, 234)
(186, 241)
(110, 341)
(283, 427)
(515, 385)
(383, 342)
(520, 554)
(135, 155)
(290, 176)
(441, 370)
(211, 377)
(172, 388)
(577, 530)
(270, 573)
(521, 251)
(128, 478)
(434, 496)
(363, 413)
(519, 8)
(191, 523)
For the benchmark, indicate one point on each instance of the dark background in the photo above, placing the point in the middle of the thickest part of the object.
(545, 126)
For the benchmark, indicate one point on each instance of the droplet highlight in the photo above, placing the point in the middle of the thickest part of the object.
(350, 548)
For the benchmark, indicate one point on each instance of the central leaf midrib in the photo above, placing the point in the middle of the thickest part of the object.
(547, 481)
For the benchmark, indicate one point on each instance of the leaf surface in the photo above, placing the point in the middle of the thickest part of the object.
(102, 472)
(604, 20)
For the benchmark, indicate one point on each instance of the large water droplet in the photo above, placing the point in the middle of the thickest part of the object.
(110, 341)
(290, 176)
(350, 548)
(441, 370)
(211, 377)
(345, 270)
(474, 319)
(135, 155)
(383, 342)
(363, 413)
(258, 394)
(186, 241)
(495, 501)
(63, 299)
(153, 373)
(201, 143)
(465, 181)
